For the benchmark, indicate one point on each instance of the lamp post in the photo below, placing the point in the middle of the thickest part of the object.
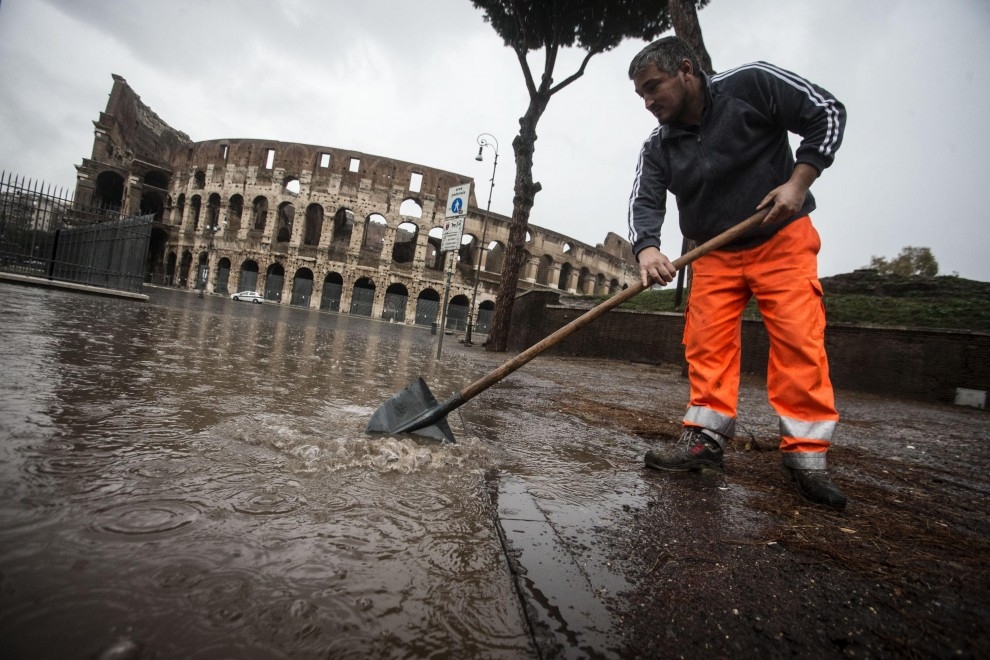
(484, 140)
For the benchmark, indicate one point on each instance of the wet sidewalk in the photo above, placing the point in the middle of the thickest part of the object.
(615, 560)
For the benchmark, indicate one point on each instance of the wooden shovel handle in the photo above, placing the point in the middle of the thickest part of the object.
(552, 340)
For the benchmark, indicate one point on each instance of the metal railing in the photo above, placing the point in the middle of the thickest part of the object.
(44, 233)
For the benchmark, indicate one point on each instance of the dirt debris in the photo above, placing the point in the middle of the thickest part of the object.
(735, 563)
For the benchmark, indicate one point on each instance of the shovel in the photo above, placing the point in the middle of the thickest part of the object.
(415, 409)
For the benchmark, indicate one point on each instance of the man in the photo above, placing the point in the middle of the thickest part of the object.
(722, 149)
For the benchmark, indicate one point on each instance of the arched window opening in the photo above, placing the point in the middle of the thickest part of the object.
(259, 213)
(274, 282)
(109, 191)
(213, 212)
(411, 208)
(152, 204)
(404, 248)
(496, 257)
(374, 233)
(343, 223)
(565, 276)
(235, 210)
(396, 297)
(434, 257)
(363, 297)
(313, 228)
(180, 209)
(427, 307)
(195, 205)
(286, 214)
(584, 280)
(544, 270)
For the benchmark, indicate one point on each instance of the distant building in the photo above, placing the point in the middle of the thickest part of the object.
(317, 226)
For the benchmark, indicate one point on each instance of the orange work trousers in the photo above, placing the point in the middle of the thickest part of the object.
(782, 274)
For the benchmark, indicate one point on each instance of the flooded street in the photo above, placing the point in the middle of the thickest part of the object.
(190, 477)
(187, 477)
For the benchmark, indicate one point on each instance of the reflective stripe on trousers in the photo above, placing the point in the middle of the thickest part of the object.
(783, 276)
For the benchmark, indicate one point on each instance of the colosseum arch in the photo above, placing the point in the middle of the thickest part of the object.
(565, 276)
(433, 259)
(213, 211)
(259, 213)
(235, 210)
(247, 275)
(396, 299)
(109, 191)
(496, 257)
(333, 289)
(584, 282)
(427, 307)
(291, 185)
(302, 287)
(457, 313)
(180, 210)
(221, 284)
(375, 229)
(363, 297)
(285, 217)
(545, 270)
(411, 208)
(153, 203)
(343, 225)
(195, 208)
(274, 282)
(313, 227)
(404, 246)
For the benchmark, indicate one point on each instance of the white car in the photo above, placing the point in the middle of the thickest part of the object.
(248, 296)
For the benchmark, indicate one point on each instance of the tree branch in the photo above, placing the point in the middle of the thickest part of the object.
(524, 65)
(574, 76)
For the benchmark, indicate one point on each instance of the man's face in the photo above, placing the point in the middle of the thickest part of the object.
(665, 95)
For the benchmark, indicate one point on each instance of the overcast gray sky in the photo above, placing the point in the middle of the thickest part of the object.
(419, 81)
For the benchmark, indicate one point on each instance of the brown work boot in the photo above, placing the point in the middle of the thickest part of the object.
(816, 486)
(693, 450)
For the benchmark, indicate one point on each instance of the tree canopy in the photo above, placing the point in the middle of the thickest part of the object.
(592, 26)
(912, 261)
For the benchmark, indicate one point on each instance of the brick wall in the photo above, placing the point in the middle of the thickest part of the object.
(912, 363)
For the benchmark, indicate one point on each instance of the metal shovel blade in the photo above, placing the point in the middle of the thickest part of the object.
(405, 408)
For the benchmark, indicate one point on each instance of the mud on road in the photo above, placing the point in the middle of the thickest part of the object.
(735, 564)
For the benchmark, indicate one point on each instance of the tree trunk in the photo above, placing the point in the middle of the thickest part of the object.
(684, 18)
(524, 145)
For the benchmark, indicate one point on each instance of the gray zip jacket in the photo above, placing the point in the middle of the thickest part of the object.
(720, 171)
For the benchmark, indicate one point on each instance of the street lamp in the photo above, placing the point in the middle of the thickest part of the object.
(484, 140)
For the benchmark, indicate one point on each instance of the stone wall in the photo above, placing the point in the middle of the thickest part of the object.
(912, 363)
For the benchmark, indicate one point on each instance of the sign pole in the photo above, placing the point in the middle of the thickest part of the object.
(453, 230)
(446, 296)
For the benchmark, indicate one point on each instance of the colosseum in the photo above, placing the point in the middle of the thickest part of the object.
(317, 226)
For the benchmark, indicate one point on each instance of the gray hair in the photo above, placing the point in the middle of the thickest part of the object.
(667, 54)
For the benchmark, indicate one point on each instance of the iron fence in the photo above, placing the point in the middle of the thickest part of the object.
(44, 233)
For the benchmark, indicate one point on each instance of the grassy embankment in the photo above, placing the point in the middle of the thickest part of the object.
(864, 297)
